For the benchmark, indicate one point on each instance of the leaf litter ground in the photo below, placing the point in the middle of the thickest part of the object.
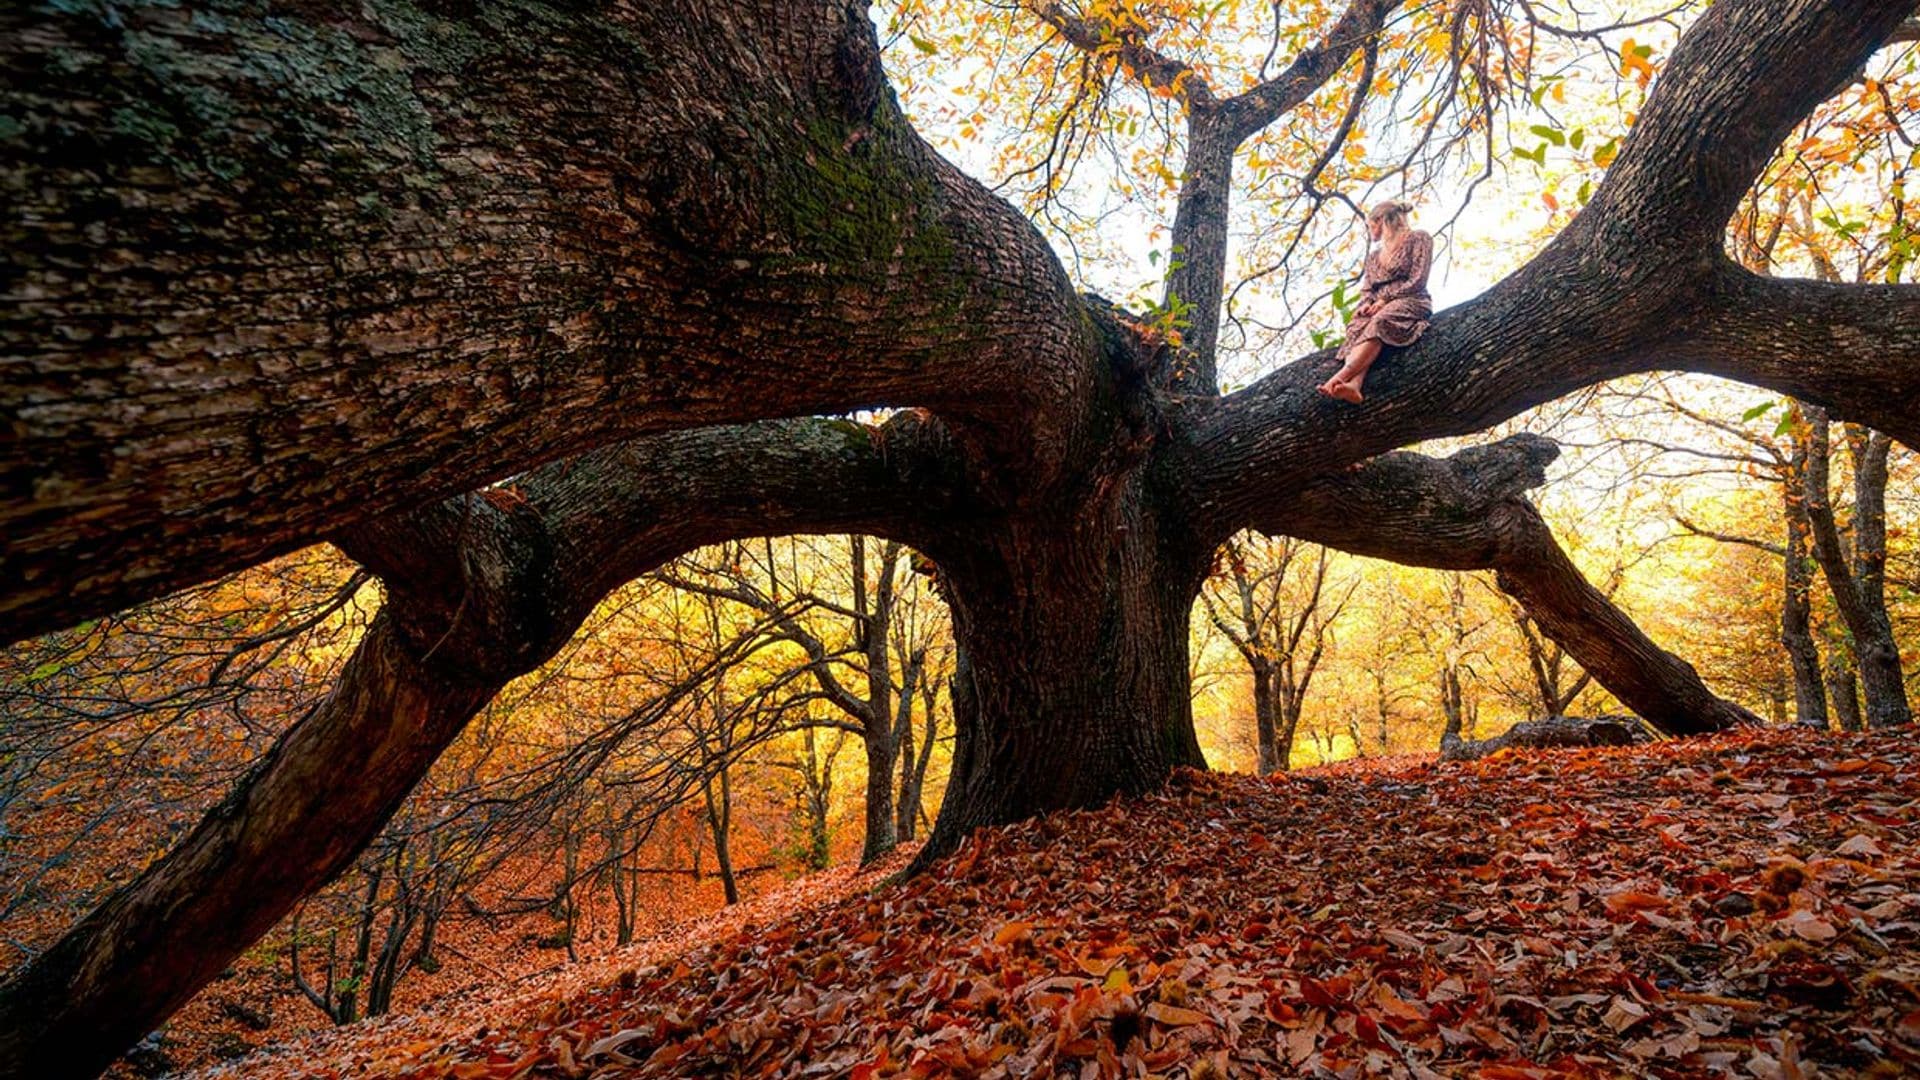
(1738, 906)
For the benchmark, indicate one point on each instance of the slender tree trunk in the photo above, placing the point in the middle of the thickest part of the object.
(719, 823)
(1291, 701)
(1843, 686)
(1796, 604)
(880, 825)
(908, 802)
(1197, 262)
(1266, 728)
(1857, 578)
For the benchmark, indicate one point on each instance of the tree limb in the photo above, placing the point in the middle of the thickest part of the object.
(1636, 283)
(1152, 68)
(1468, 512)
(640, 218)
(481, 589)
(1253, 110)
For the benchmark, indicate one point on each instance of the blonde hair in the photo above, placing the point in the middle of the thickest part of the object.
(1392, 212)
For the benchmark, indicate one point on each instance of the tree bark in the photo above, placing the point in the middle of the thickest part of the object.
(1796, 606)
(1843, 686)
(1074, 681)
(1465, 513)
(1272, 758)
(1551, 731)
(1857, 577)
(283, 271)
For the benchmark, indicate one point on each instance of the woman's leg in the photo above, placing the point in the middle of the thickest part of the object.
(1345, 384)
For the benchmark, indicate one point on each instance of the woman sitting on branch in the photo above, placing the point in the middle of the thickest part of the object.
(1394, 305)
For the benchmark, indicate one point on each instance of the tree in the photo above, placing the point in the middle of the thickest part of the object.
(882, 715)
(1281, 633)
(486, 239)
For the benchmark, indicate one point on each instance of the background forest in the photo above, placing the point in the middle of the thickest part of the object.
(767, 708)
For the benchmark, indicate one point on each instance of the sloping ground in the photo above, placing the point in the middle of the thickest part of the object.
(1737, 906)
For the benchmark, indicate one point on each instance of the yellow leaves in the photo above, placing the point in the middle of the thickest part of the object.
(1636, 60)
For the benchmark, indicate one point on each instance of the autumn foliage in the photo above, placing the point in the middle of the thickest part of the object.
(1735, 906)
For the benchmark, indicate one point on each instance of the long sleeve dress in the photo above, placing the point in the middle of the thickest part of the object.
(1395, 275)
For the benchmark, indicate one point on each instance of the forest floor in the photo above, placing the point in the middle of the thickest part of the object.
(1735, 906)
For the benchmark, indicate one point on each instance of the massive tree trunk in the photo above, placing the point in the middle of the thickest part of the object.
(1075, 641)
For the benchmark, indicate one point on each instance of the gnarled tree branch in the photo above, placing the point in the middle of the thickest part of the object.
(254, 301)
(1469, 512)
(481, 589)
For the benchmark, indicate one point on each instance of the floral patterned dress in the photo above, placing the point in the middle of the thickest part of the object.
(1395, 275)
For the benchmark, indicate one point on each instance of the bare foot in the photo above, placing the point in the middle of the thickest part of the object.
(1346, 392)
(1326, 387)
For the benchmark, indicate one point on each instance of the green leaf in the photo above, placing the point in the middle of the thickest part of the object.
(1549, 134)
(1578, 139)
(1757, 411)
(922, 44)
(1586, 192)
(1785, 425)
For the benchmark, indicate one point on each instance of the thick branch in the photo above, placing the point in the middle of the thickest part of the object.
(1468, 512)
(1854, 349)
(1738, 82)
(1637, 283)
(481, 589)
(267, 277)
